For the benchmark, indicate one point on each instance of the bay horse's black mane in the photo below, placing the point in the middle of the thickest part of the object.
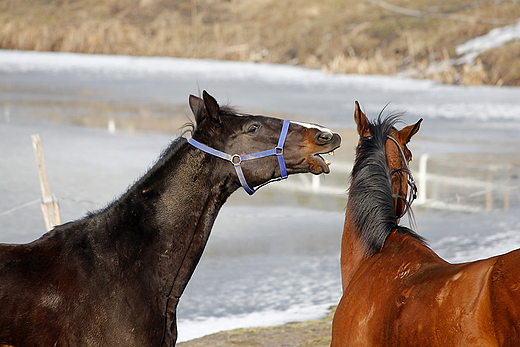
(371, 198)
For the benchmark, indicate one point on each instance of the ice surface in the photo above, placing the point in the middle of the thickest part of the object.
(265, 263)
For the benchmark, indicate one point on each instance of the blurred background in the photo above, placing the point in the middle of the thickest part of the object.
(420, 38)
(106, 84)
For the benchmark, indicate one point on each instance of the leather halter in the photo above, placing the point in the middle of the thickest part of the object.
(237, 159)
(411, 182)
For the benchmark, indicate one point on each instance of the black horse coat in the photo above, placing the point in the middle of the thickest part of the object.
(114, 278)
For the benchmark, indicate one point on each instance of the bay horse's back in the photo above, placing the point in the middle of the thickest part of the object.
(505, 298)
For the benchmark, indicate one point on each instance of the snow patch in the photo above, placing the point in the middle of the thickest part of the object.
(496, 38)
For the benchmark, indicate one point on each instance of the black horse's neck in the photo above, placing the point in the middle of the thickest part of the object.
(164, 220)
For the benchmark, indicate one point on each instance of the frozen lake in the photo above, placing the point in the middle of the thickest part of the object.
(272, 257)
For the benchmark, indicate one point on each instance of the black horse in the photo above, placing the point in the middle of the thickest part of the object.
(114, 278)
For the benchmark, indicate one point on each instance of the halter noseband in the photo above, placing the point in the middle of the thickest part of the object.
(237, 159)
(411, 182)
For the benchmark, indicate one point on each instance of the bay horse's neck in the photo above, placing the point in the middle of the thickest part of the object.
(352, 251)
(370, 216)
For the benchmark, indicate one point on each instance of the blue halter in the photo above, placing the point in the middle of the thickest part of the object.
(237, 159)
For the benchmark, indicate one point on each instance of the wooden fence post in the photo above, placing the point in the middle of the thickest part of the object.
(50, 207)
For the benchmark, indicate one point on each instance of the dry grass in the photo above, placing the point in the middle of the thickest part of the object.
(314, 333)
(338, 36)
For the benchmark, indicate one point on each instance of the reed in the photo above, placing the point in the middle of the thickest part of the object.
(337, 36)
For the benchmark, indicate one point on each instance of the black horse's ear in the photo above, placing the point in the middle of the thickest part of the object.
(212, 107)
(361, 121)
(197, 107)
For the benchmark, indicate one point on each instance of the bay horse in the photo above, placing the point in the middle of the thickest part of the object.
(114, 278)
(396, 290)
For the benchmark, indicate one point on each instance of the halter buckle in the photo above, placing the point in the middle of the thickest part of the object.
(236, 159)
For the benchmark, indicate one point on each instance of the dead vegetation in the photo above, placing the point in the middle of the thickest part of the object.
(314, 333)
(338, 36)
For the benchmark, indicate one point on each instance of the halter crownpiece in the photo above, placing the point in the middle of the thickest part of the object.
(237, 159)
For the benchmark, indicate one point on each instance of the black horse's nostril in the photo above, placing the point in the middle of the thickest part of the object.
(323, 137)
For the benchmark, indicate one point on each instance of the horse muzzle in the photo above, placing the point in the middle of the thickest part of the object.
(326, 143)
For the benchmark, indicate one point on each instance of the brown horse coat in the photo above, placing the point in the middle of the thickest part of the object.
(400, 293)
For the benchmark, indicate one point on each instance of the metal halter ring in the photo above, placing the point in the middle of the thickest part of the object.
(239, 160)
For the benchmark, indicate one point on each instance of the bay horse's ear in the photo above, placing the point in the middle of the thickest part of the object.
(407, 132)
(197, 107)
(212, 107)
(361, 121)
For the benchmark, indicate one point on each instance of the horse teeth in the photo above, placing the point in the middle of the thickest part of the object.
(331, 153)
(327, 162)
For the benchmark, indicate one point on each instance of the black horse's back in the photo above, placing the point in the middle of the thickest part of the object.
(30, 290)
(72, 289)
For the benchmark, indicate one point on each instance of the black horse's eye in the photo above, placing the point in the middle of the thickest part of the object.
(253, 128)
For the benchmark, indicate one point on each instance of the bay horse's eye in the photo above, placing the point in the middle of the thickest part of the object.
(253, 128)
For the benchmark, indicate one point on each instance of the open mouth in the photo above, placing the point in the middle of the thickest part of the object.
(324, 163)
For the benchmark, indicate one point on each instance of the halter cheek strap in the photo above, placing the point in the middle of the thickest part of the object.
(411, 181)
(237, 159)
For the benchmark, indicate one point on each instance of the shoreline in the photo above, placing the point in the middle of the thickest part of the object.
(315, 333)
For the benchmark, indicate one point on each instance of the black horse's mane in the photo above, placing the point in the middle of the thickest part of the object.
(155, 173)
(190, 126)
(370, 195)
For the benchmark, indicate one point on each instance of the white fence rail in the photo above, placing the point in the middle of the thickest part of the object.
(444, 184)
(475, 186)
